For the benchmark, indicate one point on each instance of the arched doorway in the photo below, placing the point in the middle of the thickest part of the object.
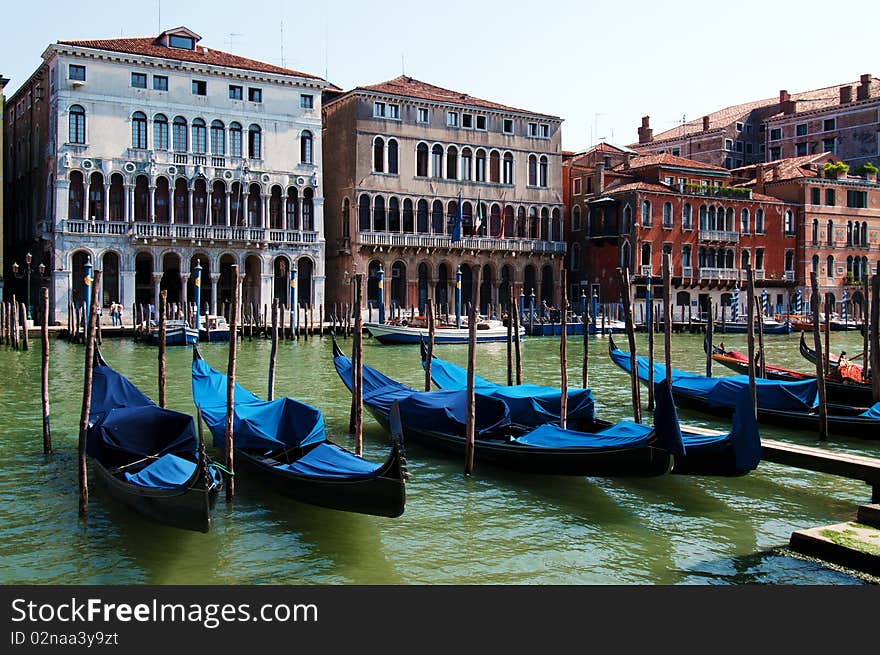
(224, 284)
(485, 289)
(78, 268)
(205, 283)
(373, 283)
(250, 292)
(423, 286)
(548, 292)
(281, 280)
(467, 287)
(143, 279)
(504, 288)
(529, 278)
(398, 285)
(171, 278)
(441, 290)
(304, 271)
(109, 278)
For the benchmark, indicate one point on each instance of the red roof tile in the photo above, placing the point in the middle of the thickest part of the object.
(786, 169)
(150, 47)
(665, 159)
(412, 88)
(638, 186)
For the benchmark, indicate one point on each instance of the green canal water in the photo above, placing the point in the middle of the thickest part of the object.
(496, 527)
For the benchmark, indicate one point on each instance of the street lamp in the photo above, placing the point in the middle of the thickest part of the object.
(41, 269)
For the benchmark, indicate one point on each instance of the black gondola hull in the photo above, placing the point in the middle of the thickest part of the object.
(610, 462)
(188, 508)
(383, 494)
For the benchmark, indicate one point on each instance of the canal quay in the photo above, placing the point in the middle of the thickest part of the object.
(495, 527)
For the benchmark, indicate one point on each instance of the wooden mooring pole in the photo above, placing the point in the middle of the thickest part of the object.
(867, 356)
(163, 317)
(273, 353)
(875, 337)
(563, 354)
(710, 325)
(87, 400)
(820, 360)
(761, 368)
(649, 326)
(429, 311)
(230, 384)
(667, 317)
(517, 343)
(631, 337)
(828, 309)
(510, 344)
(25, 343)
(750, 311)
(585, 364)
(470, 424)
(44, 371)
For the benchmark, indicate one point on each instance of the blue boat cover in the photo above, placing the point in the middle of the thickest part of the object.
(167, 472)
(435, 411)
(257, 424)
(724, 391)
(124, 420)
(530, 404)
(872, 412)
(330, 461)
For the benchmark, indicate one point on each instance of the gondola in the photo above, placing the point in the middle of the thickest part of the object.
(790, 404)
(437, 420)
(147, 457)
(732, 454)
(854, 394)
(853, 375)
(283, 443)
(742, 327)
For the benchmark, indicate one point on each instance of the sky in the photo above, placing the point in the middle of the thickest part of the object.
(600, 66)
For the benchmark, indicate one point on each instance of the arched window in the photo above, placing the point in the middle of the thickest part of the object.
(364, 223)
(75, 196)
(291, 209)
(815, 231)
(533, 170)
(218, 203)
(543, 172)
(533, 223)
(627, 221)
(179, 134)
(744, 221)
(521, 223)
(218, 138)
(647, 219)
(730, 220)
(830, 264)
(575, 257)
(815, 263)
(393, 157)
(200, 136)
(437, 217)
(687, 216)
(576, 218)
(393, 215)
(555, 226)
(77, 125)
(466, 163)
(704, 217)
(480, 172)
(378, 155)
(255, 141)
(255, 206)
(378, 214)
(759, 221)
(830, 233)
(117, 195)
(160, 132)
(161, 199)
(306, 148)
(422, 217)
(139, 130)
(865, 234)
(422, 160)
(494, 167)
(788, 223)
(626, 256)
(667, 214)
(141, 199)
(507, 177)
(437, 161)
(849, 233)
(200, 202)
(235, 140)
(96, 196)
(308, 212)
(408, 225)
(181, 201)
(275, 209)
(452, 163)
(744, 258)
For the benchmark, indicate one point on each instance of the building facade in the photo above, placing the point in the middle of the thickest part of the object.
(837, 223)
(3, 83)
(843, 119)
(632, 214)
(406, 162)
(147, 155)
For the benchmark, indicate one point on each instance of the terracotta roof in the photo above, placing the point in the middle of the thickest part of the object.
(150, 47)
(638, 186)
(786, 169)
(412, 88)
(665, 159)
(806, 100)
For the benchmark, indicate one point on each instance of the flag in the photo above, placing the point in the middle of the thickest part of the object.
(479, 220)
(500, 234)
(456, 229)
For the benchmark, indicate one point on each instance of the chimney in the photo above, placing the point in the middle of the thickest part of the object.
(784, 96)
(646, 134)
(789, 107)
(864, 90)
(705, 123)
(626, 162)
(599, 178)
(759, 178)
(845, 94)
(775, 173)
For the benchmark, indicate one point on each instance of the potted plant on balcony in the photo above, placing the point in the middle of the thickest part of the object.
(868, 170)
(836, 170)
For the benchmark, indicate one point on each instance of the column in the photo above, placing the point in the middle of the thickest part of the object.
(105, 206)
(226, 210)
(127, 204)
(215, 282)
(58, 302)
(152, 190)
(267, 292)
(157, 278)
(318, 291)
(265, 222)
(184, 279)
(189, 205)
(126, 292)
(299, 215)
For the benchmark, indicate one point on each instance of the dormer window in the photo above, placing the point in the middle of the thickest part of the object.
(182, 42)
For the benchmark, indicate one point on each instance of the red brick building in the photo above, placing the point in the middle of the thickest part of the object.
(837, 220)
(632, 213)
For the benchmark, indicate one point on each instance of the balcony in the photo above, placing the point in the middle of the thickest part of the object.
(466, 243)
(182, 231)
(759, 274)
(719, 235)
(646, 270)
(719, 274)
(789, 276)
(687, 272)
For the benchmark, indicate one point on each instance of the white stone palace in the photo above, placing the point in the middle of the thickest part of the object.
(147, 154)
